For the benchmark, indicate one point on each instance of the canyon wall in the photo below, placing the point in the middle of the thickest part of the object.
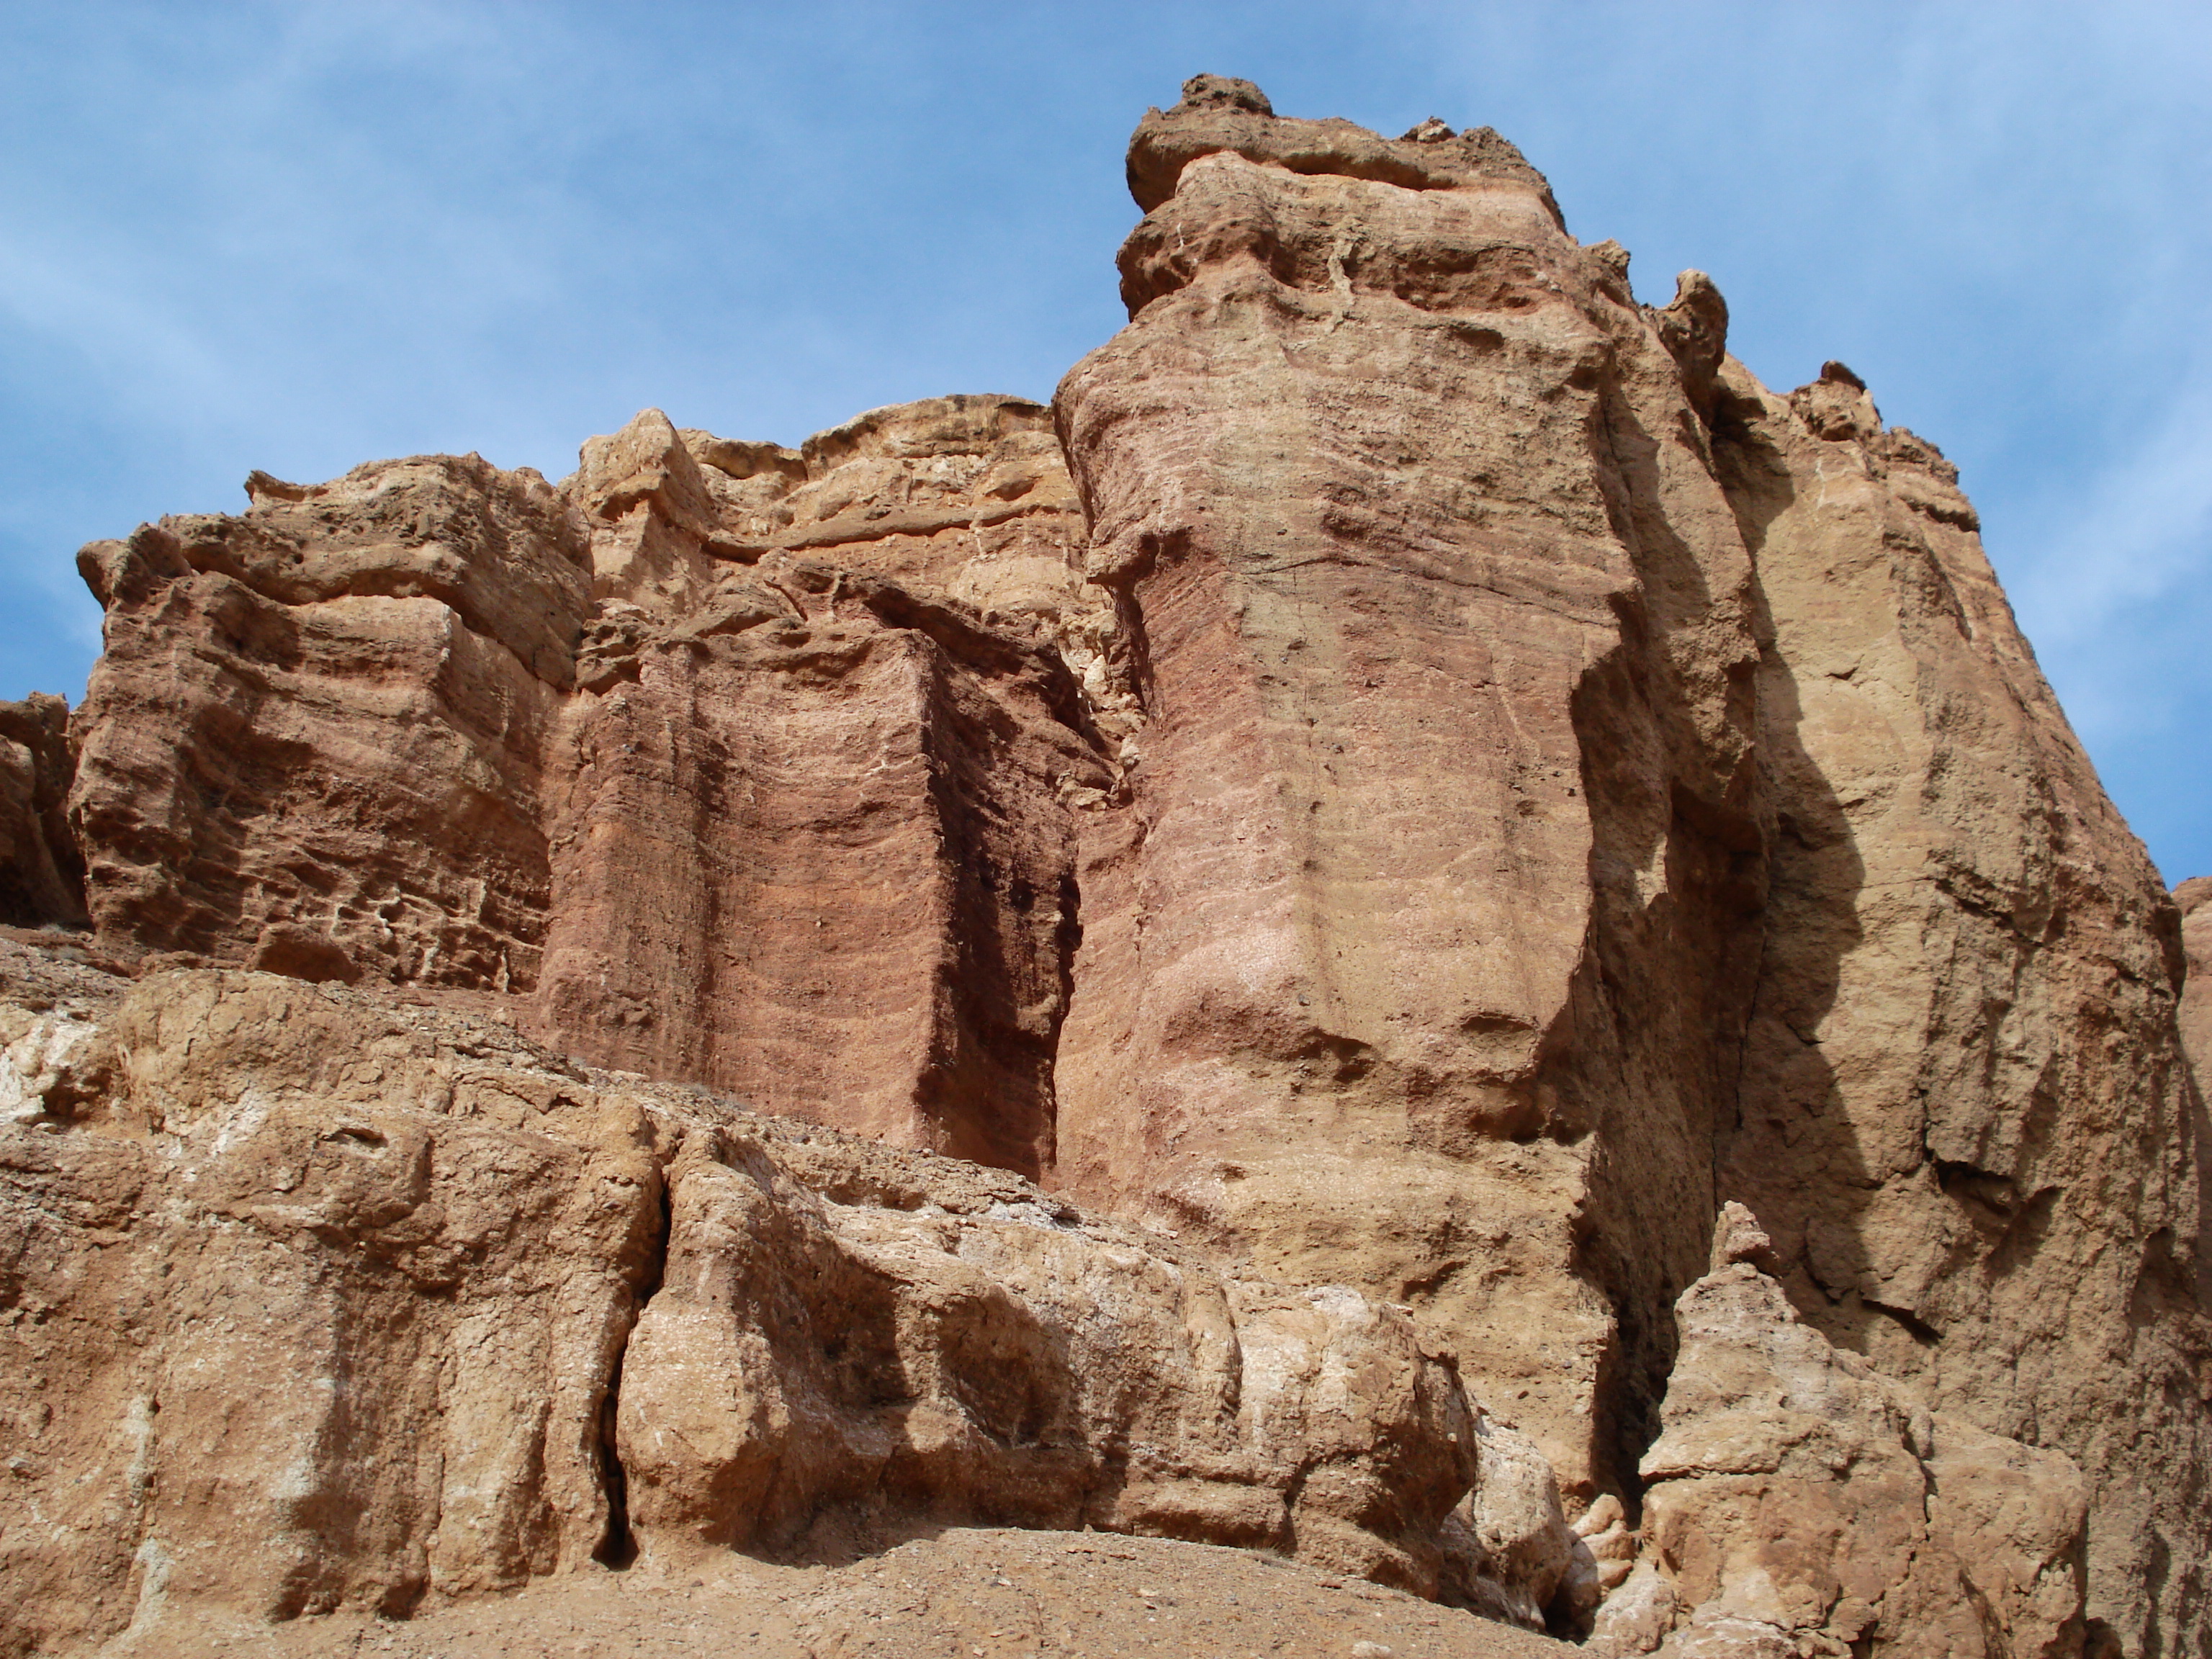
(1582, 788)
(670, 753)
(1415, 785)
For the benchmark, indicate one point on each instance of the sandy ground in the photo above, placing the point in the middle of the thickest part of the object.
(966, 1593)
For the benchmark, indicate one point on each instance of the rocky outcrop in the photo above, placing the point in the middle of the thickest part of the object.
(314, 1300)
(1581, 786)
(1799, 1501)
(1964, 1112)
(1449, 784)
(744, 765)
(41, 875)
(811, 837)
(1417, 959)
(318, 735)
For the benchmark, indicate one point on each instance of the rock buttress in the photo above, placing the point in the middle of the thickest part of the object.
(1419, 958)
(1964, 1112)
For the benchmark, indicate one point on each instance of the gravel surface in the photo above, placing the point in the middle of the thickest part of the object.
(966, 1593)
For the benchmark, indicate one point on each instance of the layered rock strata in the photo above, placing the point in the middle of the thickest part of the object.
(1581, 786)
(316, 1300)
(664, 751)
(1963, 1111)
(1448, 784)
(1420, 956)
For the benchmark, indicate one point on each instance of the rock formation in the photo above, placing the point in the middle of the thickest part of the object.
(2194, 899)
(1964, 1111)
(41, 875)
(1799, 1501)
(672, 758)
(1420, 957)
(1412, 789)
(406, 1308)
(1495, 866)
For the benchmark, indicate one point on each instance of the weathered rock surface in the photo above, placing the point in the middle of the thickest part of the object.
(1418, 958)
(811, 832)
(667, 750)
(2194, 899)
(1581, 786)
(314, 1301)
(1964, 1112)
(1448, 784)
(1799, 1501)
(41, 875)
(327, 719)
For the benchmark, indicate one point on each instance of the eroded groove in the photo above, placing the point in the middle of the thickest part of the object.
(617, 1547)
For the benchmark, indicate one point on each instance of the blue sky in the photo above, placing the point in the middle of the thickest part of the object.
(300, 236)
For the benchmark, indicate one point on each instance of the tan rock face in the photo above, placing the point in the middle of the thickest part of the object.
(330, 716)
(42, 874)
(1448, 784)
(667, 750)
(1964, 1112)
(315, 1301)
(311, 1305)
(1801, 1501)
(1417, 959)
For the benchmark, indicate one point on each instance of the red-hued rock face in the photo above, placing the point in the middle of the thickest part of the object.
(331, 714)
(1417, 778)
(668, 751)
(1581, 786)
(1964, 1113)
(41, 875)
(1417, 958)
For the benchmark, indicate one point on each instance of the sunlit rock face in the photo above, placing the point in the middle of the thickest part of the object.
(748, 765)
(1416, 783)
(1582, 786)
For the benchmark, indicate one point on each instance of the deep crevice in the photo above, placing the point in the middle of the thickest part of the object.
(617, 1547)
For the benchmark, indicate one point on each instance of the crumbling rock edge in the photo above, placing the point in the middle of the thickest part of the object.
(367, 1304)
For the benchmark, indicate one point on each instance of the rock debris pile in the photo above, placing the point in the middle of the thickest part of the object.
(1421, 930)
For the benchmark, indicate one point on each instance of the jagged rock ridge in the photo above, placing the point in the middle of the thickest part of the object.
(1447, 784)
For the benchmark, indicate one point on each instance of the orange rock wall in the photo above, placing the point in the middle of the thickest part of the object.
(1446, 785)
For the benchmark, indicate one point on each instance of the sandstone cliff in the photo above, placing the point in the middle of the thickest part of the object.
(1412, 787)
(665, 751)
(1582, 786)
(1420, 956)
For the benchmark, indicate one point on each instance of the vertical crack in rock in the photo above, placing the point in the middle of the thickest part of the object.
(618, 1547)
